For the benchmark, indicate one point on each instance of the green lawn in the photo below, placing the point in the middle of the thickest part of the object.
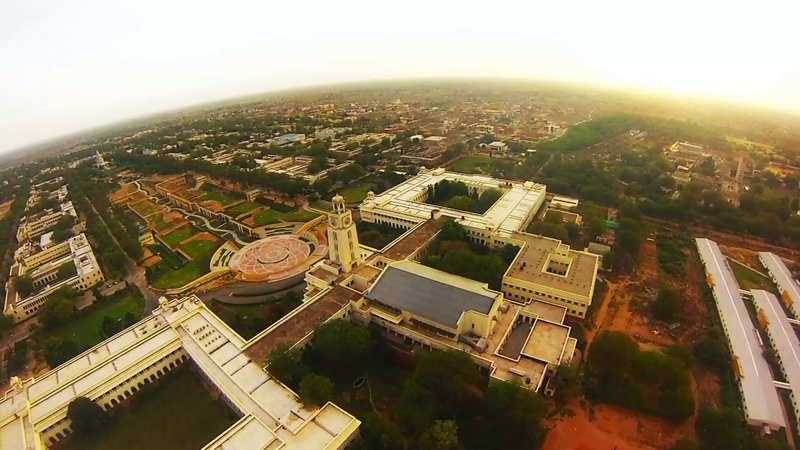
(299, 216)
(267, 217)
(166, 256)
(224, 200)
(158, 219)
(471, 164)
(179, 414)
(749, 279)
(176, 278)
(180, 235)
(85, 329)
(144, 208)
(198, 249)
(357, 192)
(241, 208)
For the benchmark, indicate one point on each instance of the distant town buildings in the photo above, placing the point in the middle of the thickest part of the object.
(290, 138)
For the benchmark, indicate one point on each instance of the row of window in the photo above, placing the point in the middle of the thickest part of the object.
(543, 295)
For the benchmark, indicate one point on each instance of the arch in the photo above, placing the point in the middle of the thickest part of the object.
(127, 394)
(66, 432)
(147, 381)
(120, 398)
(114, 402)
(158, 372)
(177, 361)
(107, 406)
(140, 385)
(152, 378)
(183, 358)
(134, 390)
(52, 440)
(165, 369)
(171, 365)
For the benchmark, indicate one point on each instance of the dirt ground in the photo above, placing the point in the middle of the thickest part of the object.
(625, 309)
(212, 205)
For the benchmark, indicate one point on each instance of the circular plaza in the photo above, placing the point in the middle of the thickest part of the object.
(271, 258)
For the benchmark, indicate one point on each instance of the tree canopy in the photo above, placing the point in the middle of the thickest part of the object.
(86, 416)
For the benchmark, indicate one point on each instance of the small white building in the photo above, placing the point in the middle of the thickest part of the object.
(497, 147)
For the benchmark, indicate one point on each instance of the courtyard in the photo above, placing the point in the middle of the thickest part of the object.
(178, 414)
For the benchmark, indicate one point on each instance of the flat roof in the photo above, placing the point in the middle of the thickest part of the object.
(755, 378)
(529, 265)
(508, 214)
(546, 342)
(784, 279)
(427, 292)
(783, 337)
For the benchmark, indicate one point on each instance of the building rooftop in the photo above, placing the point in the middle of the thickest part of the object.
(790, 290)
(406, 200)
(532, 261)
(438, 296)
(782, 335)
(750, 367)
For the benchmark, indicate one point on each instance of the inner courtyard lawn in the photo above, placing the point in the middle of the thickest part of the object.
(241, 208)
(750, 279)
(267, 217)
(198, 249)
(224, 200)
(179, 235)
(86, 330)
(179, 414)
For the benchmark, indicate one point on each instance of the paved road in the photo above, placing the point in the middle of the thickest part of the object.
(19, 332)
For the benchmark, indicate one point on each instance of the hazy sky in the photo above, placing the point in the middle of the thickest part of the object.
(71, 65)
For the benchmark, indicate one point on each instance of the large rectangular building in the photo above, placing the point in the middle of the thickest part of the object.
(762, 407)
(180, 332)
(783, 338)
(787, 285)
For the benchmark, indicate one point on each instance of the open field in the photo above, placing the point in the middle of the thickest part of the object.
(271, 216)
(179, 414)
(180, 235)
(471, 164)
(145, 208)
(357, 192)
(85, 330)
(241, 208)
(267, 217)
(198, 249)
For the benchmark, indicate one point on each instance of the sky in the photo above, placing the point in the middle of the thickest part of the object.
(66, 66)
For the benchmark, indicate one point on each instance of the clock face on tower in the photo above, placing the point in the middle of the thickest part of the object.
(346, 221)
(333, 221)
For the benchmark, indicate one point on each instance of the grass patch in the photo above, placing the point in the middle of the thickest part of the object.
(178, 277)
(223, 199)
(86, 329)
(178, 414)
(357, 192)
(158, 220)
(166, 255)
(749, 279)
(144, 208)
(670, 254)
(267, 217)
(198, 249)
(471, 164)
(299, 216)
(179, 235)
(321, 205)
(241, 208)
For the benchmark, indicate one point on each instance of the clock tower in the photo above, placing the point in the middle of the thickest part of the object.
(342, 237)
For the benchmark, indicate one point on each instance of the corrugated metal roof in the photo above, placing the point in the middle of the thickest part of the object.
(784, 279)
(435, 295)
(758, 390)
(782, 336)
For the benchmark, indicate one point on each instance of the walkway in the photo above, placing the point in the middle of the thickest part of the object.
(208, 224)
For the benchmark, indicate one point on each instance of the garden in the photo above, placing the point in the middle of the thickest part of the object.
(471, 164)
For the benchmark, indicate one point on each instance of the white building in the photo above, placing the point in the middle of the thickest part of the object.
(99, 161)
(343, 245)
(544, 270)
(787, 285)
(497, 147)
(753, 377)
(43, 267)
(183, 331)
(30, 228)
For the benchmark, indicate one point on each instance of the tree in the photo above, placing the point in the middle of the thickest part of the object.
(340, 342)
(667, 305)
(64, 310)
(719, 429)
(6, 322)
(322, 186)
(61, 235)
(573, 230)
(514, 416)
(110, 326)
(315, 390)
(66, 270)
(130, 319)
(285, 363)
(596, 226)
(442, 435)
(58, 351)
(115, 260)
(378, 434)
(86, 416)
(712, 353)
(611, 355)
(680, 352)
(608, 260)
(24, 285)
(684, 443)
